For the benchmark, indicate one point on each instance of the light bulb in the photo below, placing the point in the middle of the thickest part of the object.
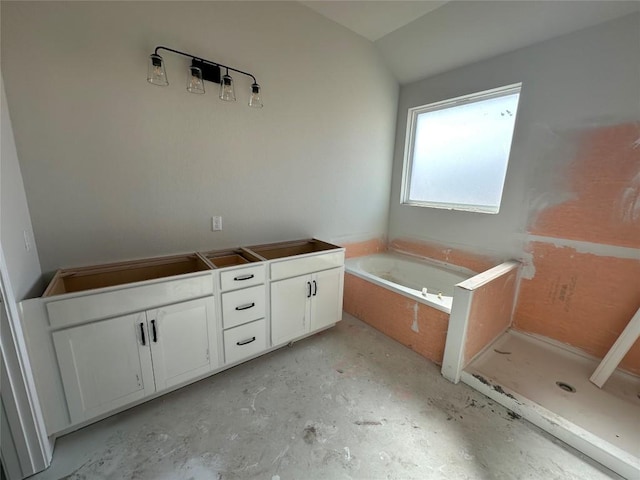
(195, 84)
(255, 99)
(156, 74)
(227, 92)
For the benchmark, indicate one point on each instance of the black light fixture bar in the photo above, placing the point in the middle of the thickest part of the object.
(206, 65)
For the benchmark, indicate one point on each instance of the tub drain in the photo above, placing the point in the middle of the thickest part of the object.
(566, 387)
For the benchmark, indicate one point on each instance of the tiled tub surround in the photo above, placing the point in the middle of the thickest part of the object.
(386, 291)
(412, 323)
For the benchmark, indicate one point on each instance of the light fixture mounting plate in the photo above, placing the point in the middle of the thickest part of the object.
(210, 73)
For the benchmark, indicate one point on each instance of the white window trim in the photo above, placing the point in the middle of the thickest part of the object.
(407, 165)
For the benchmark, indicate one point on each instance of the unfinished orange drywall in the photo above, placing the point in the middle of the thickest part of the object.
(368, 247)
(415, 325)
(490, 313)
(474, 262)
(581, 299)
(604, 183)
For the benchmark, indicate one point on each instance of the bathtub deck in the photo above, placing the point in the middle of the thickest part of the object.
(603, 423)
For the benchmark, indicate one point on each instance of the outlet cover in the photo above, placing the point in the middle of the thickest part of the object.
(216, 223)
(27, 241)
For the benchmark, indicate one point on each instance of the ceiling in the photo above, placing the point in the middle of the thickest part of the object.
(373, 19)
(421, 38)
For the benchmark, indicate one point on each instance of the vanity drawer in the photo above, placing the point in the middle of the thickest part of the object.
(241, 277)
(244, 341)
(242, 306)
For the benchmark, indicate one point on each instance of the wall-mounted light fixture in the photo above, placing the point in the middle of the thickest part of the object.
(199, 71)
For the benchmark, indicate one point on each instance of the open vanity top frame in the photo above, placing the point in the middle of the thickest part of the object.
(72, 280)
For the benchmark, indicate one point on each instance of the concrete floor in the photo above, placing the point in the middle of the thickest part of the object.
(346, 403)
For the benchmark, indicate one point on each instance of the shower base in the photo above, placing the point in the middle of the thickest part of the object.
(548, 384)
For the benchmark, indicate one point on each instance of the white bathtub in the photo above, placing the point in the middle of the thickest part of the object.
(408, 276)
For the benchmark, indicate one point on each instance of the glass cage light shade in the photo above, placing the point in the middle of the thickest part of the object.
(195, 83)
(156, 73)
(255, 98)
(227, 91)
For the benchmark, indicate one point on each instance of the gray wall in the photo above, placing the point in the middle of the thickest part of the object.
(116, 168)
(23, 266)
(585, 79)
(20, 272)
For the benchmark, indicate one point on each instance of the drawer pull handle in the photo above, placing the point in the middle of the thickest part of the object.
(309, 285)
(246, 342)
(153, 329)
(246, 307)
(315, 288)
(243, 277)
(142, 334)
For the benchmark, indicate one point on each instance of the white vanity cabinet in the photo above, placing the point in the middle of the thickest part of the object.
(111, 363)
(183, 341)
(302, 304)
(326, 298)
(85, 335)
(290, 308)
(243, 298)
(102, 338)
(104, 365)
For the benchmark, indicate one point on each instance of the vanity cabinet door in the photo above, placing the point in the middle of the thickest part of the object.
(326, 298)
(290, 308)
(303, 304)
(183, 341)
(104, 365)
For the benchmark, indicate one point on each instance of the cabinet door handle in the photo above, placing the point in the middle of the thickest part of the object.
(309, 293)
(240, 278)
(246, 342)
(247, 306)
(153, 330)
(315, 288)
(144, 342)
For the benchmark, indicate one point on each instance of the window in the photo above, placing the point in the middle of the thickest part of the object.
(457, 151)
